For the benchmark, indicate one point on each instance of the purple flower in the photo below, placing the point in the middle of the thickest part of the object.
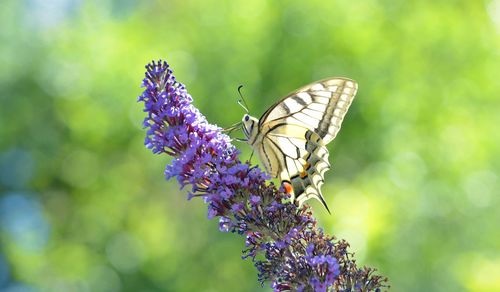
(254, 200)
(296, 255)
(224, 224)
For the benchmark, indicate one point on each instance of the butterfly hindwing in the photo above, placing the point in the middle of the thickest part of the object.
(280, 142)
(301, 160)
(316, 166)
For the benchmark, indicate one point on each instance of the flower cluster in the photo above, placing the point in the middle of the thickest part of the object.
(282, 240)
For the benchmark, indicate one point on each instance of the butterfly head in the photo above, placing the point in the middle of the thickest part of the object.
(250, 127)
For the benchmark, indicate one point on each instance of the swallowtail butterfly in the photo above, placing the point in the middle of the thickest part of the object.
(291, 136)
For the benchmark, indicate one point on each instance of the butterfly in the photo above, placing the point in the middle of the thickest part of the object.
(290, 138)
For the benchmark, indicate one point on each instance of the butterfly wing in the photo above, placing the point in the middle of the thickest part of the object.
(319, 106)
(297, 156)
(297, 128)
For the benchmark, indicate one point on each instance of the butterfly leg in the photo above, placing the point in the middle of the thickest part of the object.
(253, 167)
(241, 139)
(232, 127)
(251, 155)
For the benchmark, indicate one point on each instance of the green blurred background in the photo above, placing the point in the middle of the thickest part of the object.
(414, 186)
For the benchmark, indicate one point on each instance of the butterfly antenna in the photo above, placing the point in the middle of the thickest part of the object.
(244, 104)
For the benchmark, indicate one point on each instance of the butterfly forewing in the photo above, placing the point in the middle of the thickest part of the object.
(319, 106)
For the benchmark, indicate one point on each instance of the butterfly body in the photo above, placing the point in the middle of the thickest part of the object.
(291, 136)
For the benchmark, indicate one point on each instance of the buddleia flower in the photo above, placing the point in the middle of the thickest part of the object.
(282, 240)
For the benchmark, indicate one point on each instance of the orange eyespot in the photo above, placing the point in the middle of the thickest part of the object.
(303, 174)
(288, 187)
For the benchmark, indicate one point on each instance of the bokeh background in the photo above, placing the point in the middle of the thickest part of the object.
(415, 180)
